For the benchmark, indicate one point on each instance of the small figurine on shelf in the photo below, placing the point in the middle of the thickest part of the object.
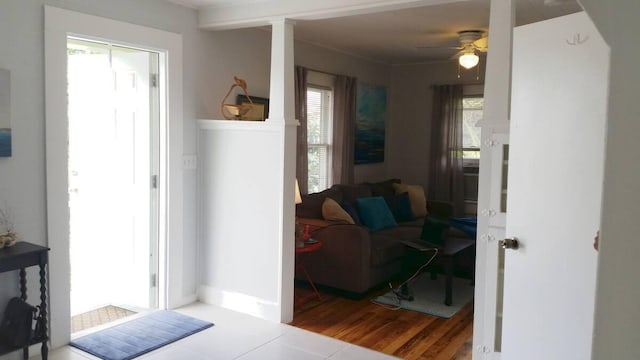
(8, 236)
(232, 111)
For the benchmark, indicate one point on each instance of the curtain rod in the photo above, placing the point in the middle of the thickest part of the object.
(325, 72)
(473, 84)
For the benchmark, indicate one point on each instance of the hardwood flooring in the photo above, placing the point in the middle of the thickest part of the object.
(402, 333)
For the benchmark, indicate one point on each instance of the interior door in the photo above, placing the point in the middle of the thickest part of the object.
(556, 155)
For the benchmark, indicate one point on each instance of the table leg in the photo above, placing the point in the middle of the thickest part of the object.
(448, 265)
(44, 351)
(313, 286)
(23, 284)
(300, 266)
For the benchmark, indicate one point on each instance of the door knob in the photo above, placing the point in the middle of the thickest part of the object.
(509, 243)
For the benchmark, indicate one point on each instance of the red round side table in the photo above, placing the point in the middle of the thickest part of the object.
(307, 249)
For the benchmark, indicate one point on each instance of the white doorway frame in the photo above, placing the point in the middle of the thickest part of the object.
(59, 24)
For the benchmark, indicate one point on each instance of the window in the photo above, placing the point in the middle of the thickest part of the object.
(319, 134)
(472, 109)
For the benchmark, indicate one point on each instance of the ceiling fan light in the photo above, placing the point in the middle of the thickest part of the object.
(468, 60)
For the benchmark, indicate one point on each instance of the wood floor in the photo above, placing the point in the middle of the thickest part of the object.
(402, 333)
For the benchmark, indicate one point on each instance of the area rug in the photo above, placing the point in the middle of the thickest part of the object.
(97, 317)
(139, 336)
(429, 296)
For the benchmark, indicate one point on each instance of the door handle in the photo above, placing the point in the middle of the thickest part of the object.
(509, 243)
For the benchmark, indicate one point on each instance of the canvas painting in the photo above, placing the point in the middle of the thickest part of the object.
(371, 113)
(5, 113)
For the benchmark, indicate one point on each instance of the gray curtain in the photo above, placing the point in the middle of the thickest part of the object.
(344, 129)
(446, 182)
(301, 142)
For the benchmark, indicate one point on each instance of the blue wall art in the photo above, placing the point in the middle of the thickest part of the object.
(5, 113)
(371, 113)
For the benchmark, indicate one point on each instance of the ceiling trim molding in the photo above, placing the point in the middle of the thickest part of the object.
(263, 13)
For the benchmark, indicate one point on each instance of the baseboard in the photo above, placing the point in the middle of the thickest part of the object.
(186, 300)
(243, 303)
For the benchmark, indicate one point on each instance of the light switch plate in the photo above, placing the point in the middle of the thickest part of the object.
(189, 162)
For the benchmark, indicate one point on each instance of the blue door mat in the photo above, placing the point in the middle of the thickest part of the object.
(140, 336)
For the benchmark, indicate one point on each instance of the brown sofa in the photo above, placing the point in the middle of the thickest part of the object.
(352, 258)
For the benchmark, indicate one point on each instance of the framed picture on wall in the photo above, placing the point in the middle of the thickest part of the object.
(259, 110)
(371, 103)
(5, 113)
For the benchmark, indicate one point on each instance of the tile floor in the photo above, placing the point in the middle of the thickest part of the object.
(240, 336)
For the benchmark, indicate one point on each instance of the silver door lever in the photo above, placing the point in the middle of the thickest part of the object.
(509, 243)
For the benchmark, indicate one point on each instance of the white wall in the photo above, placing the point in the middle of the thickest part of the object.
(617, 318)
(408, 135)
(366, 71)
(239, 249)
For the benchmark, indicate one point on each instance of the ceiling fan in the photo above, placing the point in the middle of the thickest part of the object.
(472, 42)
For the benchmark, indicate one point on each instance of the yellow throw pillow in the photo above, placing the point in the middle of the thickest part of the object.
(331, 210)
(416, 197)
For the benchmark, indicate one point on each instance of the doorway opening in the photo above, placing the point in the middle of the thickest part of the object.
(113, 164)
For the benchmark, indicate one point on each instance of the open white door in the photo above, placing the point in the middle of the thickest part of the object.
(113, 152)
(559, 92)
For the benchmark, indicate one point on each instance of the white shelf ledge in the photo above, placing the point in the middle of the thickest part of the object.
(206, 124)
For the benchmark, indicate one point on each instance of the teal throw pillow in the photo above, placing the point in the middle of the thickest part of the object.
(375, 213)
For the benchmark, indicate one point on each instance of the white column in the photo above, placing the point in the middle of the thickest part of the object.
(281, 102)
(281, 110)
(497, 88)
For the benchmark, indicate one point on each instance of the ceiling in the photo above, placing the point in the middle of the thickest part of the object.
(393, 37)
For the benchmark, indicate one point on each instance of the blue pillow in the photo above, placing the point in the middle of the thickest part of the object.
(400, 207)
(375, 213)
(351, 211)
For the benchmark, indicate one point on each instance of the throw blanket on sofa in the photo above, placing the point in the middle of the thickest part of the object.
(467, 224)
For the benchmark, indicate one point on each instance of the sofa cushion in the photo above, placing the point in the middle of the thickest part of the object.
(374, 213)
(311, 206)
(383, 188)
(331, 210)
(400, 206)
(401, 233)
(385, 249)
(353, 192)
(416, 197)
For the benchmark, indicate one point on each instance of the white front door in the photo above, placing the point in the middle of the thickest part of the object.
(112, 158)
(556, 156)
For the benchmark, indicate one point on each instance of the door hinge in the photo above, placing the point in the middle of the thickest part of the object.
(153, 280)
(154, 181)
(154, 80)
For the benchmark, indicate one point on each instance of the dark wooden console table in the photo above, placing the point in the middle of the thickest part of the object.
(19, 257)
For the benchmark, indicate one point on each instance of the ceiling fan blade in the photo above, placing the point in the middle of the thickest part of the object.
(457, 55)
(439, 47)
(481, 43)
